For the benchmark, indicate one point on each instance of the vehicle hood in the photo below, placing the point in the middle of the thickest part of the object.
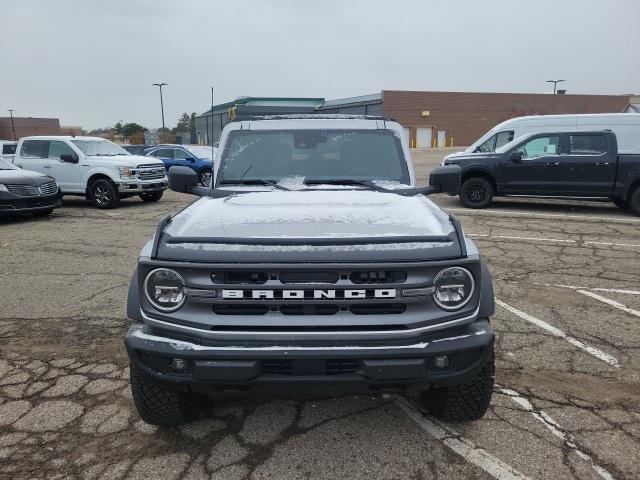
(128, 160)
(326, 225)
(455, 154)
(23, 177)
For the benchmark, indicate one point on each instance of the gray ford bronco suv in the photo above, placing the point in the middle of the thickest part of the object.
(313, 259)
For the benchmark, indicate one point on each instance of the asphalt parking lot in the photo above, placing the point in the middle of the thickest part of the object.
(566, 404)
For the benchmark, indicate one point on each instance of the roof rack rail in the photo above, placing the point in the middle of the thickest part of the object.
(308, 116)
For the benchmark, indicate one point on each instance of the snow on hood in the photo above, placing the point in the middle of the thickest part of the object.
(311, 214)
(19, 174)
(129, 160)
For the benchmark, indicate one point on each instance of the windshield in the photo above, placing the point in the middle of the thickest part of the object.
(5, 165)
(99, 147)
(273, 155)
(201, 152)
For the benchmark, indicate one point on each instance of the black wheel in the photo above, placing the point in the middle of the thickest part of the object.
(103, 194)
(476, 192)
(205, 177)
(43, 213)
(161, 405)
(634, 201)
(466, 401)
(151, 196)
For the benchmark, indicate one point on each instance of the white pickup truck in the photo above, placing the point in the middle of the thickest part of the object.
(94, 167)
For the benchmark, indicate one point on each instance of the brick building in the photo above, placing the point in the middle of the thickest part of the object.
(460, 118)
(25, 126)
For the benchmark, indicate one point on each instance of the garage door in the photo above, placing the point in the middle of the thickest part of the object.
(423, 137)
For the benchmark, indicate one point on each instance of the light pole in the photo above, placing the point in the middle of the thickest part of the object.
(13, 129)
(555, 84)
(160, 85)
(211, 123)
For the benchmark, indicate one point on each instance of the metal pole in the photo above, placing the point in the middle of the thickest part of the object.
(13, 129)
(211, 123)
(555, 84)
(160, 85)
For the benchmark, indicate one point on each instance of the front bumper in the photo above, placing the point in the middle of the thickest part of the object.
(140, 187)
(24, 205)
(404, 365)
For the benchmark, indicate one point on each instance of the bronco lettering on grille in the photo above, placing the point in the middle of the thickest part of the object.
(308, 294)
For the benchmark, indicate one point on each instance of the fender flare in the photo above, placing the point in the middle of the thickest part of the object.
(487, 298)
(133, 299)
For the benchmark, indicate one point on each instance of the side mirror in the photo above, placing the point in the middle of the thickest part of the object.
(446, 179)
(69, 158)
(516, 156)
(185, 180)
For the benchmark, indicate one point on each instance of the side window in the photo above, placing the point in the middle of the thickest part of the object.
(164, 153)
(35, 149)
(181, 154)
(540, 147)
(488, 145)
(586, 144)
(59, 148)
(9, 148)
(503, 138)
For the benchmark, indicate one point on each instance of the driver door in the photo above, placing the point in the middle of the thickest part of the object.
(540, 170)
(67, 174)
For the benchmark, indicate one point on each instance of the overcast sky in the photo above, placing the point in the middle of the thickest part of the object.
(93, 63)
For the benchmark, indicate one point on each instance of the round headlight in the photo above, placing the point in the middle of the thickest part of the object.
(453, 288)
(164, 288)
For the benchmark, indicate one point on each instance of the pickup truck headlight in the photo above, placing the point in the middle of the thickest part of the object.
(164, 288)
(126, 172)
(453, 288)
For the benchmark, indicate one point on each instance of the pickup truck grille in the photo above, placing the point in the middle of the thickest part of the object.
(46, 189)
(151, 172)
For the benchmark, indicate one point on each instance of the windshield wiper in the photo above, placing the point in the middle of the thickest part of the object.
(255, 181)
(372, 186)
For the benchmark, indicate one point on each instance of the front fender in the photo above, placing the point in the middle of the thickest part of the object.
(133, 299)
(487, 299)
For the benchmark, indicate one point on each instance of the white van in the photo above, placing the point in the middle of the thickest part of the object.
(626, 126)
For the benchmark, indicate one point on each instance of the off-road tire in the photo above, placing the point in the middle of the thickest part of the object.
(104, 194)
(634, 201)
(476, 192)
(161, 405)
(151, 196)
(464, 402)
(205, 177)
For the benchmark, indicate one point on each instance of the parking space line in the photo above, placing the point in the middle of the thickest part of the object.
(507, 237)
(463, 447)
(608, 301)
(592, 289)
(554, 428)
(599, 354)
(611, 244)
(553, 216)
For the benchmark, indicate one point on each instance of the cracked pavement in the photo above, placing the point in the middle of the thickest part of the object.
(558, 411)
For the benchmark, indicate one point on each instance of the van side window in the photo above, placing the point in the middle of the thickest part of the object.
(488, 145)
(586, 144)
(503, 138)
(58, 148)
(35, 149)
(540, 147)
(9, 148)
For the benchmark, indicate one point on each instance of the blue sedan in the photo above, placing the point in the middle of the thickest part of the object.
(196, 157)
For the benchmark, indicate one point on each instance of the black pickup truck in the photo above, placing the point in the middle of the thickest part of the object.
(583, 165)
